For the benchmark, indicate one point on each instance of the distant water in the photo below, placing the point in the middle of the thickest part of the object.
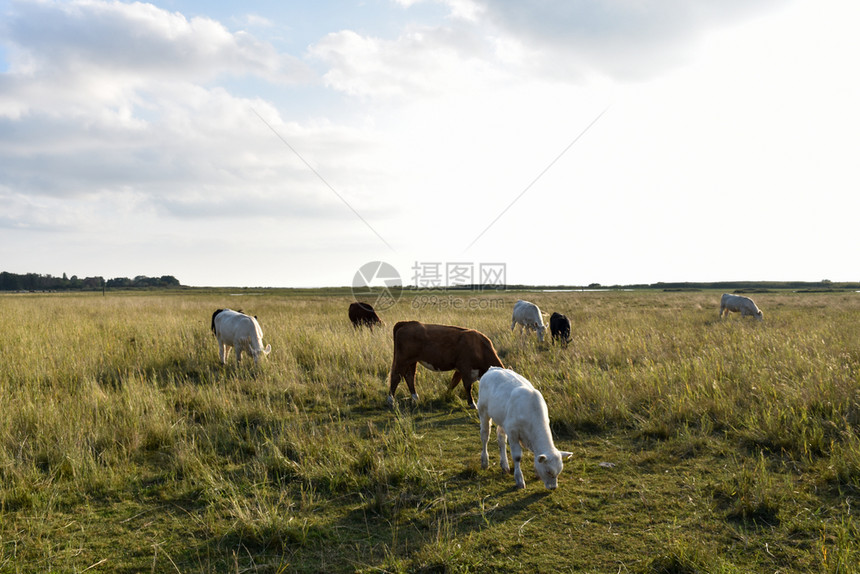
(577, 290)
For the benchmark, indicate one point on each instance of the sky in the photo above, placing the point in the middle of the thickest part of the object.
(565, 142)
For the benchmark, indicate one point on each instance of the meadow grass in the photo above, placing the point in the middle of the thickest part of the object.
(700, 444)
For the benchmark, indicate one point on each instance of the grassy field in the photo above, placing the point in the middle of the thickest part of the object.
(700, 445)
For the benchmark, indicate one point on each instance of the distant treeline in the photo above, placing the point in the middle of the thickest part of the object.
(38, 282)
(729, 286)
(753, 286)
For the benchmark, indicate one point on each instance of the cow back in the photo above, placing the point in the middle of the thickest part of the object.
(527, 313)
(359, 310)
(446, 347)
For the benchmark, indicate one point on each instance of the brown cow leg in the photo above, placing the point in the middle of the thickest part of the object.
(467, 385)
(455, 380)
(398, 372)
(396, 375)
(410, 381)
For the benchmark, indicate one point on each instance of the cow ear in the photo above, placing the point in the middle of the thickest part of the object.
(565, 455)
(541, 458)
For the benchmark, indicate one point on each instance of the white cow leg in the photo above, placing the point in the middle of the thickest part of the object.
(485, 439)
(517, 455)
(502, 438)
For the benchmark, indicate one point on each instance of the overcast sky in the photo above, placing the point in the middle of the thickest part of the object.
(289, 143)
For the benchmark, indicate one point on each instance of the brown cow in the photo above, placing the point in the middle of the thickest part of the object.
(363, 315)
(467, 352)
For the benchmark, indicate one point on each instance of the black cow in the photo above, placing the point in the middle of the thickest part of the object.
(559, 326)
(363, 315)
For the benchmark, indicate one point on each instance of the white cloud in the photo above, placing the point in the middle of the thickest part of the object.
(572, 41)
(512, 42)
(116, 99)
(135, 41)
(84, 57)
(419, 63)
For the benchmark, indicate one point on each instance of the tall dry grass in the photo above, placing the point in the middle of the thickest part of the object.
(118, 404)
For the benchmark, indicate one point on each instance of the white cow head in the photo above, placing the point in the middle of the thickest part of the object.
(548, 466)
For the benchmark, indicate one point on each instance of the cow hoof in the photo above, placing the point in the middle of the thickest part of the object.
(390, 400)
(415, 397)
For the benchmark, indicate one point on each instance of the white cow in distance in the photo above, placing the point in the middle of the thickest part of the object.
(528, 316)
(519, 411)
(739, 304)
(240, 331)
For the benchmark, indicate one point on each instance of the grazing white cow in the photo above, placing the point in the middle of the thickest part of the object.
(528, 316)
(240, 331)
(743, 305)
(519, 411)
